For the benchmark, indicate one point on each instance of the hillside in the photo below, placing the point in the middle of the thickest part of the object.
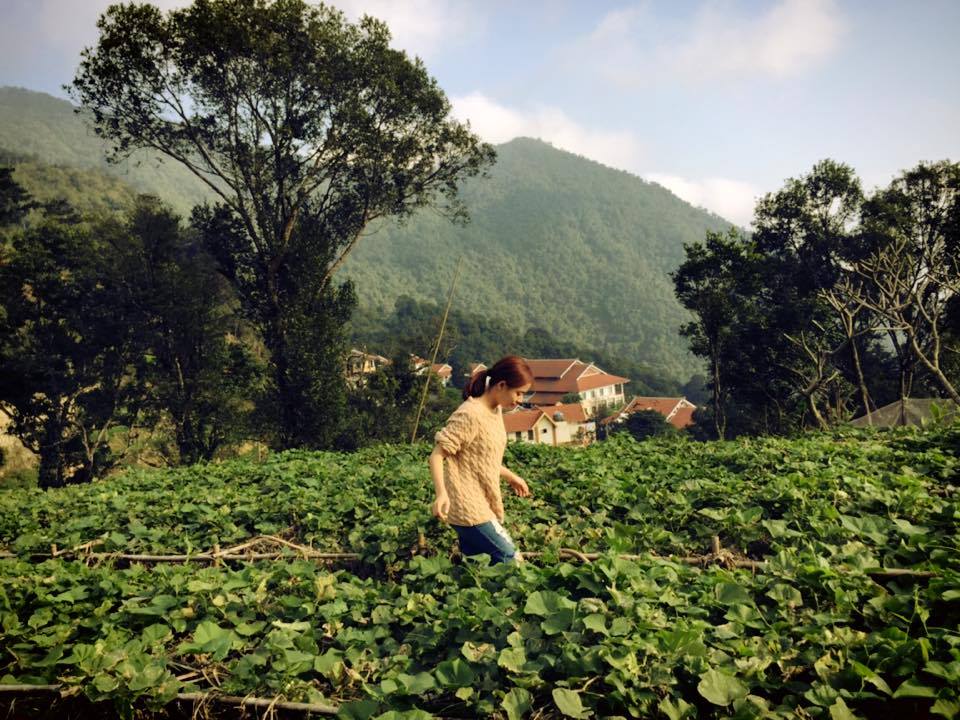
(556, 241)
(47, 130)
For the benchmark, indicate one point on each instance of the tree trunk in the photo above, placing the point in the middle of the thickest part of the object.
(719, 418)
(864, 394)
(52, 469)
(934, 368)
(815, 411)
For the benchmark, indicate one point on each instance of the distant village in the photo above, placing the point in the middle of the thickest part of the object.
(568, 398)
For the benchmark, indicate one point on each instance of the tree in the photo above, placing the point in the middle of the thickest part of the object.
(911, 267)
(66, 347)
(197, 373)
(305, 127)
(645, 424)
(714, 283)
(807, 231)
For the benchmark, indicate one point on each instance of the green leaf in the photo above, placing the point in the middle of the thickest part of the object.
(720, 688)
(106, 683)
(517, 703)
(454, 673)
(358, 709)
(840, 711)
(478, 652)
(911, 688)
(732, 594)
(675, 710)
(545, 603)
(557, 622)
(569, 703)
(417, 684)
(210, 638)
(329, 664)
(513, 659)
(871, 677)
(596, 622)
(946, 708)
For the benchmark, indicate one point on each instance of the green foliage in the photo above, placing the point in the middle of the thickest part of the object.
(808, 634)
(57, 156)
(65, 347)
(194, 372)
(383, 407)
(557, 242)
(550, 222)
(473, 337)
(90, 191)
(307, 128)
(645, 424)
(796, 321)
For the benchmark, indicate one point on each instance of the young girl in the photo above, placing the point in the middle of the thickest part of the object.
(472, 444)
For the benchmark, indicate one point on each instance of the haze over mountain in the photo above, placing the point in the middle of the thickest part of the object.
(555, 240)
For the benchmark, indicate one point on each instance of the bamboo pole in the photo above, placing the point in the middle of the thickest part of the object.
(436, 350)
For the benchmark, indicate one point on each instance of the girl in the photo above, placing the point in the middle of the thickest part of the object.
(472, 444)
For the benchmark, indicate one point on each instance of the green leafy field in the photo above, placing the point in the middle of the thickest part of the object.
(810, 634)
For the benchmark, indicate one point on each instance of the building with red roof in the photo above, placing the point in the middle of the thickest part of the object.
(558, 424)
(553, 379)
(677, 411)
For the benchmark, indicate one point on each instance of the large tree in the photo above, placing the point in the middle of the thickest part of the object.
(198, 375)
(66, 348)
(294, 118)
(910, 270)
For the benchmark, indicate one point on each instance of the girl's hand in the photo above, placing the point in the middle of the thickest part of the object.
(519, 486)
(441, 506)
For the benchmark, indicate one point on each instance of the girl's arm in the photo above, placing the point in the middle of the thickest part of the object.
(441, 505)
(516, 482)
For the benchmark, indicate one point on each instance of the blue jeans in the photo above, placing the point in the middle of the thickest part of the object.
(490, 538)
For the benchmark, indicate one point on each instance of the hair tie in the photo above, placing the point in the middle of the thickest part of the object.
(486, 383)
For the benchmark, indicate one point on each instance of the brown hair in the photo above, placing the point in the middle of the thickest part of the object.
(512, 370)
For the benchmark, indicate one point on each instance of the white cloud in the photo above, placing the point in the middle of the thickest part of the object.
(421, 27)
(635, 46)
(733, 200)
(730, 199)
(497, 123)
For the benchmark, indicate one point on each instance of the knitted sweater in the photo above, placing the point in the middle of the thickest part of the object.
(473, 441)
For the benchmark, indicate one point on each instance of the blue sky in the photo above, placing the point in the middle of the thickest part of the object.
(718, 100)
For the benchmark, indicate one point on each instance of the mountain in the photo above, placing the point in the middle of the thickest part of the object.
(555, 241)
(46, 129)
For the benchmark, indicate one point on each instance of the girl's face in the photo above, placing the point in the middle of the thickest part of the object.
(508, 397)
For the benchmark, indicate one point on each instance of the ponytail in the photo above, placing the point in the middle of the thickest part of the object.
(511, 369)
(477, 384)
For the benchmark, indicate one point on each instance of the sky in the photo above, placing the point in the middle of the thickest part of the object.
(718, 100)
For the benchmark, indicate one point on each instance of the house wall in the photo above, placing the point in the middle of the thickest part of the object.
(608, 395)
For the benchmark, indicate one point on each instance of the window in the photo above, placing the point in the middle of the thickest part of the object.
(529, 434)
(517, 434)
(544, 430)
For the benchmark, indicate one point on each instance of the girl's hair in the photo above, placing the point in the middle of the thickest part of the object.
(511, 369)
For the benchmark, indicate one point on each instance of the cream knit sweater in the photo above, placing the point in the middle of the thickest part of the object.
(473, 441)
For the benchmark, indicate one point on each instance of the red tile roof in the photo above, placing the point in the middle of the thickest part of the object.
(566, 376)
(572, 412)
(551, 368)
(677, 411)
(442, 369)
(522, 420)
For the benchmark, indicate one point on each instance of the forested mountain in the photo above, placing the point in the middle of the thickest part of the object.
(47, 130)
(556, 241)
